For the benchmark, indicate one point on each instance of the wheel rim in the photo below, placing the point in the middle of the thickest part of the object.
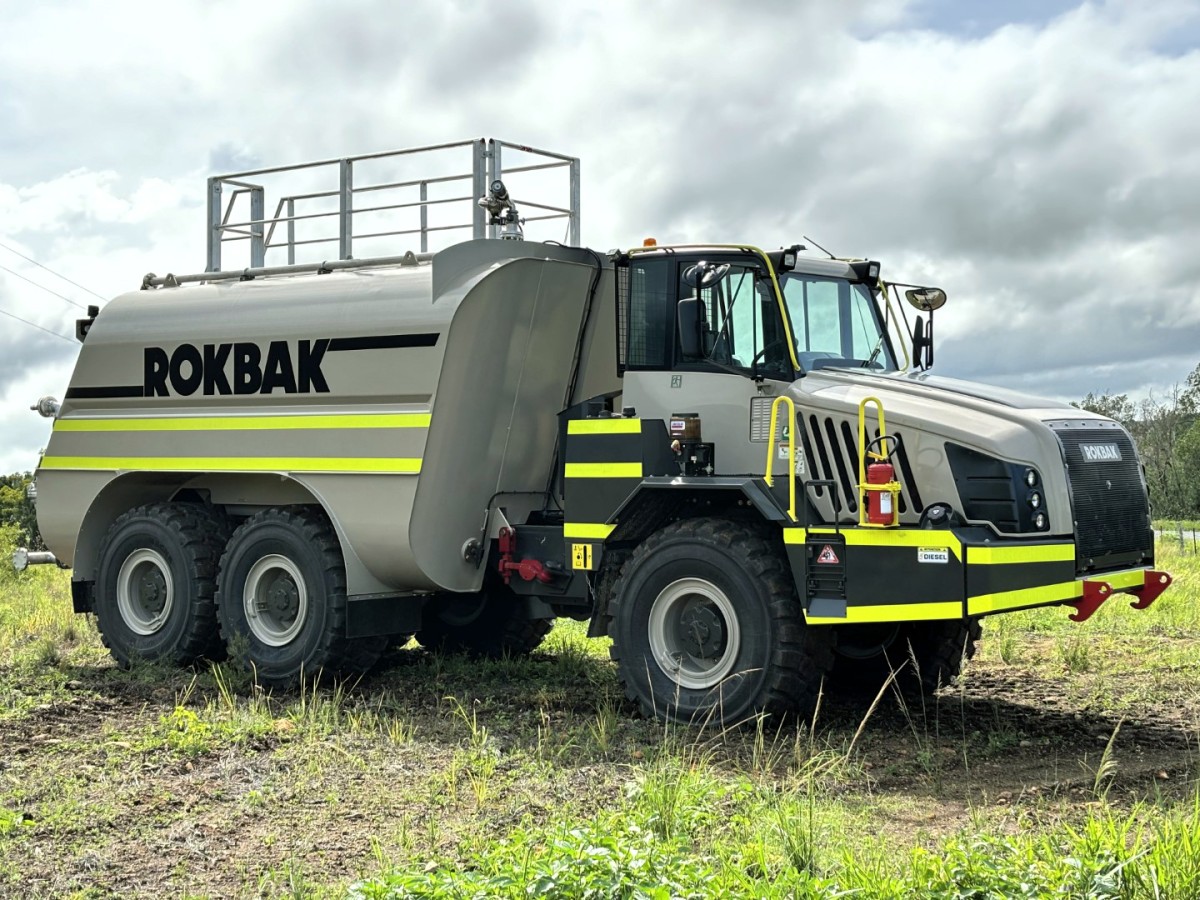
(694, 633)
(145, 591)
(275, 600)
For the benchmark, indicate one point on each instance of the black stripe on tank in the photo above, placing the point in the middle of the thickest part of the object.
(383, 341)
(97, 393)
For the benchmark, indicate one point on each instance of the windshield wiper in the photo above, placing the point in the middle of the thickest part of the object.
(870, 360)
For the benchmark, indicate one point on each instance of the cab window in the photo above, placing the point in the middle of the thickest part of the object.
(834, 322)
(740, 323)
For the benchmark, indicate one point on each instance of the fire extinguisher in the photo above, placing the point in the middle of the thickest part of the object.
(881, 482)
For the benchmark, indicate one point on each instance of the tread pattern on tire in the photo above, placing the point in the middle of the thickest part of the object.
(202, 533)
(799, 660)
(336, 653)
(940, 649)
(491, 636)
(953, 647)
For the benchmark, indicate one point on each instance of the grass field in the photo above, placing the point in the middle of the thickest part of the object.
(1065, 764)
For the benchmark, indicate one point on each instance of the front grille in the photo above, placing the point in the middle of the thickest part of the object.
(831, 452)
(1112, 511)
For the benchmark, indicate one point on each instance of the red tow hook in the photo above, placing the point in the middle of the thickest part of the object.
(1156, 583)
(528, 569)
(1096, 592)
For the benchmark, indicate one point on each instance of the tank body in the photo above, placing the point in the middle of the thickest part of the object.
(403, 399)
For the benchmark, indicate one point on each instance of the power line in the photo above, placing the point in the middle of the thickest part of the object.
(44, 288)
(5, 312)
(52, 272)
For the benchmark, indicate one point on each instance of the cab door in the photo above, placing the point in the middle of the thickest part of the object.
(729, 371)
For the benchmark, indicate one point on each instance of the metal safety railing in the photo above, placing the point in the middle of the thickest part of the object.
(791, 445)
(229, 194)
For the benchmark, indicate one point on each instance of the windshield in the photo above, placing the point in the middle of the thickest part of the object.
(834, 323)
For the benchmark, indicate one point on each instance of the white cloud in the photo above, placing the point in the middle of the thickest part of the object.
(1045, 173)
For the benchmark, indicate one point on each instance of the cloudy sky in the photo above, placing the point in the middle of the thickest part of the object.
(1040, 160)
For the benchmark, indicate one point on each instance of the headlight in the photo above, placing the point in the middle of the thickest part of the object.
(1031, 478)
(1040, 521)
(1035, 500)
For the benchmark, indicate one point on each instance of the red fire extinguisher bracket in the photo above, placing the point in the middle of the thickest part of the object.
(879, 492)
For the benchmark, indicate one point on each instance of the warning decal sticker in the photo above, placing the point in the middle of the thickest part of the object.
(827, 556)
(581, 556)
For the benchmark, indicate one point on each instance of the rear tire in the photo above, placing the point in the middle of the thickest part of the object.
(156, 583)
(925, 655)
(282, 591)
(488, 624)
(706, 624)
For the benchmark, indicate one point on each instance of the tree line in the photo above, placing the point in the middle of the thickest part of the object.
(17, 515)
(1166, 429)
(1167, 432)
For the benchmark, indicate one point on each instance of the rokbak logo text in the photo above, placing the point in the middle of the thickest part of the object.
(1101, 452)
(237, 368)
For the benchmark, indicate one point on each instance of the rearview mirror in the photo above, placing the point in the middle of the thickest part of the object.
(688, 313)
(704, 274)
(926, 299)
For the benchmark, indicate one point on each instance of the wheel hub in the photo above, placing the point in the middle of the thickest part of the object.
(151, 590)
(702, 630)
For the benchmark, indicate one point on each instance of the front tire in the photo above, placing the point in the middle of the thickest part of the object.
(489, 624)
(282, 597)
(925, 655)
(706, 624)
(156, 583)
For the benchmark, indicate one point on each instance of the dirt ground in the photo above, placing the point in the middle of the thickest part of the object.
(100, 806)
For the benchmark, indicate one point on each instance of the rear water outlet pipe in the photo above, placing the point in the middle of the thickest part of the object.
(23, 559)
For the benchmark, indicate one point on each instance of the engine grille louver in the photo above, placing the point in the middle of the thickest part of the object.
(831, 453)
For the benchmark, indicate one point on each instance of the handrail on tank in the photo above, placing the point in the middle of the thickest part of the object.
(486, 166)
(770, 478)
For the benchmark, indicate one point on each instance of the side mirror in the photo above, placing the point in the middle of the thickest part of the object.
(926, 299)
(922, 345)
(688, 313)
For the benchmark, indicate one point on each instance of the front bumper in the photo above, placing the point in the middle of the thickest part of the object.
(865, 575)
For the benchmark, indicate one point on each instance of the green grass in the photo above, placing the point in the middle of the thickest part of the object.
(769, 850)
(439, 777)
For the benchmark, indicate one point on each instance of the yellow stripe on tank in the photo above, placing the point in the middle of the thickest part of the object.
(246, 423)
(389, 465)
(604, 470)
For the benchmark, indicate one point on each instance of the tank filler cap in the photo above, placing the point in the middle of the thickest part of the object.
(46, 407)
